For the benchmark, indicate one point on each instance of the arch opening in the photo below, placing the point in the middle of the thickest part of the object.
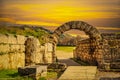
(71, 37)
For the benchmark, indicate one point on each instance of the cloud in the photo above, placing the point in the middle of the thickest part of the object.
(7, 20)
(108, 28)
(98, 12)
(36, 23)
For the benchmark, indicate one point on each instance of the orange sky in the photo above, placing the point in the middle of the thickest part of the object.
(56, 12)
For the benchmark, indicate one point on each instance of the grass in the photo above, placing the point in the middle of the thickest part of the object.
(25, 31)
(13, 74)
(8, 73)
(51, 75)
(65, 48)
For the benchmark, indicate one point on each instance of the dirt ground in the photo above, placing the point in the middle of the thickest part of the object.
(64, 55)
(101, 75)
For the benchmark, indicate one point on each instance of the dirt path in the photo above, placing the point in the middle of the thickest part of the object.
(79, 73)
(64, 57)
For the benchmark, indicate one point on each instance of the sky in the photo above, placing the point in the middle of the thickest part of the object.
(99, 13)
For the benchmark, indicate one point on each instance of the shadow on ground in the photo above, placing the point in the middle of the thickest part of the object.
(105, 78)
(13, 75)
(68, 62)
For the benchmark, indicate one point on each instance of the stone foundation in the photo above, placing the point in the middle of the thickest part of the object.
(35, 71)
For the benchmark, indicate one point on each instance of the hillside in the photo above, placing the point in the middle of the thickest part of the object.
(26, 30)
(36, 31)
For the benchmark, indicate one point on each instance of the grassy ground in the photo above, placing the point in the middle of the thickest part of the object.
(64, 52)
(51, 75)
(65, 48)
(13, 75)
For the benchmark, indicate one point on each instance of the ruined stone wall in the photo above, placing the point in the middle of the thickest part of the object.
(104, 52)
(35, 53)
(12, 50)
(32, 51)
(49, 52)
(112, 50)
(18, 51)
(89, 51)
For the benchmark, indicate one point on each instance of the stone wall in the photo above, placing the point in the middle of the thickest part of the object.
(101, 53)
(88, 51)
(18, 51)
(12, 50)
(35, 53)
(112, 50)
(32, 51)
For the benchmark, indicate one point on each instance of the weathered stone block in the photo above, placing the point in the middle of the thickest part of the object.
(34, 70)
(4, 48)
(38, 58)
(22, 48)
(49, 57)
(14, 48)
(21, 39)
(49, 47)
(17, 48)
(42, 48)
(17, 60)
(3, 38)
(12, 60)
(12, 39)
(87, 29)
(49, 60)
(30, 51)
(4, 61)
(83, 26)
(38, 49)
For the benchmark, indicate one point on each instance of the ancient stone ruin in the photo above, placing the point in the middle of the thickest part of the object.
(79, 25)
(99, 49)
(19, 51)
(34, 71)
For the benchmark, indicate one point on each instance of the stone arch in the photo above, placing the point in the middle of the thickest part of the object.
(92, 32)
(79, 25)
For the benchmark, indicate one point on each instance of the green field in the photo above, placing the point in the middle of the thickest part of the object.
(65, 48)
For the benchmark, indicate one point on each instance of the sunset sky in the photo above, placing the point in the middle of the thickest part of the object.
(99, 13)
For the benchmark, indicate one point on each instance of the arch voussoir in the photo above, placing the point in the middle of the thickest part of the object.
(79, 25)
